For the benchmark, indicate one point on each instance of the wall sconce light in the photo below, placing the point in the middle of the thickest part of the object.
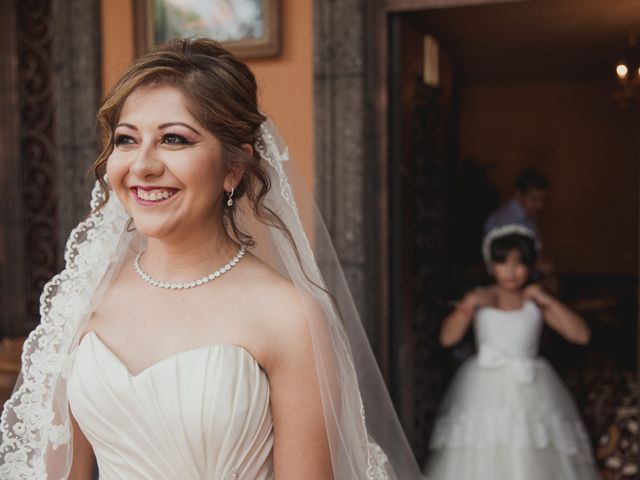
(628, 74)
(622, 70)
(430, 61)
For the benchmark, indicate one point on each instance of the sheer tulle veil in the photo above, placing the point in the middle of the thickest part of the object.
(365, 437)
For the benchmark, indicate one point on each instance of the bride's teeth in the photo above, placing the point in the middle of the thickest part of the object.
(154, 195)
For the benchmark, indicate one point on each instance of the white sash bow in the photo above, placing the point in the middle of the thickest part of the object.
(523, 368)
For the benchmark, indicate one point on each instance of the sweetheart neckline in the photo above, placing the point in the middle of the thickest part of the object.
(173, 356)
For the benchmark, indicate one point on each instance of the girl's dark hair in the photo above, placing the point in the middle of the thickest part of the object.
(524, 245)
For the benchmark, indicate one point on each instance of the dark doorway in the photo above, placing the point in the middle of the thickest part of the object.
(520, 84)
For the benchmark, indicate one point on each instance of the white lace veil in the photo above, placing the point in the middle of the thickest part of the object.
(35, 426)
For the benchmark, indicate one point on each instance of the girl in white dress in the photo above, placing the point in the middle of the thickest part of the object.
(191, 334)
(507, 416)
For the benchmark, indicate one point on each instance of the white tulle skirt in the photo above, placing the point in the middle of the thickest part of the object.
(509, 420)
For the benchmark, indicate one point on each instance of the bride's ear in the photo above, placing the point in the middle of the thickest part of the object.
(248, 149)
(236, 171)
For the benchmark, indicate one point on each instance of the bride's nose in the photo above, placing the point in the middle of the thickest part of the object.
(147, 163)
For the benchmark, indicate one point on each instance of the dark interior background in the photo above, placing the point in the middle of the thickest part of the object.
(522, 84)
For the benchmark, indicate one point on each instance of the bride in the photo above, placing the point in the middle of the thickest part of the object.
(191, 334)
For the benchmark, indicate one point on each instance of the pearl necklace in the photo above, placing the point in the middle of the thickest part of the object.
(195, 283)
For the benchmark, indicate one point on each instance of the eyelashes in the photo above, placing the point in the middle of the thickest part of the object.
(119, 140)
(174, 139)
(167, 138)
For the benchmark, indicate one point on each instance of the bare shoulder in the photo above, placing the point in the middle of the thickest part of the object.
(282, 308)
(268, 289)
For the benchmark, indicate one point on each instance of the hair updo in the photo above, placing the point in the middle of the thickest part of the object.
(221, 94)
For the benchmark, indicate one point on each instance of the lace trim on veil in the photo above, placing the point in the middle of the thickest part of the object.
(266, 146)
(377, 460)
(64, 304)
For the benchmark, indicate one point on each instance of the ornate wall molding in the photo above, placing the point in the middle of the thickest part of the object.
(51, 88)
(35, 34)
(12, 260)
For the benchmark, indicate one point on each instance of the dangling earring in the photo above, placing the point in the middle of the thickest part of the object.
(130, 226)
(230, 200)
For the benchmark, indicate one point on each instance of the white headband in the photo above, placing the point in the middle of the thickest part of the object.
(503, 231)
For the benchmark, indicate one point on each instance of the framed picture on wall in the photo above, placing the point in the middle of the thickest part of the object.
(248, 28)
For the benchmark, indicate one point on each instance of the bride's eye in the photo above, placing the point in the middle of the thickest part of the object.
(119, 140)
(174, 139)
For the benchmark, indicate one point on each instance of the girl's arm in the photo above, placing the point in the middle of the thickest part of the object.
(456, 324)
(558, 316)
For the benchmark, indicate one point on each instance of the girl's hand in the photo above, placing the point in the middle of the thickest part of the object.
(458, 321)
(536, 293)
(558, 316)
(480, 297)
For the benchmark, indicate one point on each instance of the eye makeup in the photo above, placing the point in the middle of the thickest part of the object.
(174, 139)
(120, 139)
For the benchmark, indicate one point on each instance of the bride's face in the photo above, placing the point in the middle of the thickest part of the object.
(166, 169)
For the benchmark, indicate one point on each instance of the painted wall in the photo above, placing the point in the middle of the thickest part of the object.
(285, 82)
(116, 17)
(589, 147)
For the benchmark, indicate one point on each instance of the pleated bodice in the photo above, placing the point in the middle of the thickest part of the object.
(199, 414)
(515, 333)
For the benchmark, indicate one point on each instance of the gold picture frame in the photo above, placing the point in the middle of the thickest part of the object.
(257, 35)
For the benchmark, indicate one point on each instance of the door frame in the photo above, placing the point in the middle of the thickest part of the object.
(381, 111)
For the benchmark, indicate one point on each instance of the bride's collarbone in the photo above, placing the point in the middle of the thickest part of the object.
(143, 333)
(140, 344)
(142, 324)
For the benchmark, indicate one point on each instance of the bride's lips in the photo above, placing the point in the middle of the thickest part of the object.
(152, 195)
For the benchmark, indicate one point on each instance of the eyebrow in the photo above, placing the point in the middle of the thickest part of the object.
(186, 125)
(128, 125)
(164, 125)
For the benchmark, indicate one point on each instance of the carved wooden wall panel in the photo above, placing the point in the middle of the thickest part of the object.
(12, 263)
(35, 34)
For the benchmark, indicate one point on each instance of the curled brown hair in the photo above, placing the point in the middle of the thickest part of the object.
(221, 94)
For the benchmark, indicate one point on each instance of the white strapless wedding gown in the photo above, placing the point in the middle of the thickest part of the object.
(507, 415)
(202, 414)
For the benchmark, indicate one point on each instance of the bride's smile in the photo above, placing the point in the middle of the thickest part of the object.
(152, 195)
(167, 169)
